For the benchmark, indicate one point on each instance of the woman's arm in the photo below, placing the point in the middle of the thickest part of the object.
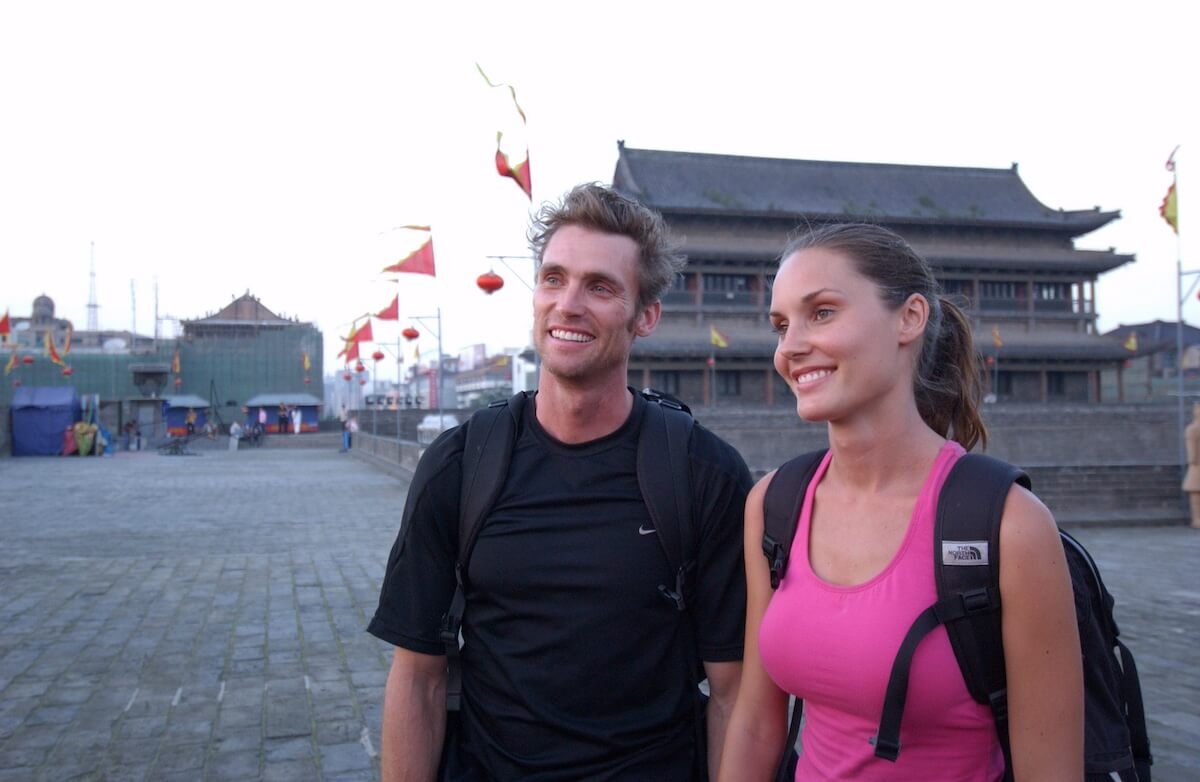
(1041, 644)
(758, 726)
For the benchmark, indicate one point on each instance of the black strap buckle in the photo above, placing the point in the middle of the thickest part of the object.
(977, 601)
(676, 595)
(774, 551)
(887, 750)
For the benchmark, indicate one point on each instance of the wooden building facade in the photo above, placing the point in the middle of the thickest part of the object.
(1008, 259)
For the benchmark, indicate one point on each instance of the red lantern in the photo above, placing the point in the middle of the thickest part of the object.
(307, 380)
(178, 382)
(490, 282)
(377, 355)
(362, 382)
(410, 333)
(991, 360)
(17, 383)
(67, 371)
(359, 367)
(27, 360)
(347, 377)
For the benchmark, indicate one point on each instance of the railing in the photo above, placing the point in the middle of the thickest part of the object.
(735, 298)
(1004, 305)
(681, 298)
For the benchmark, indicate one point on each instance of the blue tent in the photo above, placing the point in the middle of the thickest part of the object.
(40, 415)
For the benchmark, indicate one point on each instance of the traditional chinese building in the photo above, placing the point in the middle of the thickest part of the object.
(1009, 259)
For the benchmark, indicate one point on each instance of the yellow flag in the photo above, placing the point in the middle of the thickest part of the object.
(717, 338)
(996, 337)
(1170, 208)
(1131, 342)
(305, 362)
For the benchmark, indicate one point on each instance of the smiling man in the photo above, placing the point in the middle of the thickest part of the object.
(573, 665)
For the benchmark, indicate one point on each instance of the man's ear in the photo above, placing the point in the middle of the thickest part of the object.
(914, 316)
(647, 319)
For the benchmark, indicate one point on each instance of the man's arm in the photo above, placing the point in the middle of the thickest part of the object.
(414, 717)
(723, 680)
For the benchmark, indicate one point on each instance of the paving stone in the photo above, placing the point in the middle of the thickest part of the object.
(338, 758)
(290, 771)
(276, 750)
(239, 765)
(180, 757)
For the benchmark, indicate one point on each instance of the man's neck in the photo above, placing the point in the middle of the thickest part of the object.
(574, 414)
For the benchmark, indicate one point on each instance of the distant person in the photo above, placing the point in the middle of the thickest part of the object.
(191, 420)
(296, 420)
(262, 421)
(281, 424)
(584, 646)
(235, 434)
(1191, 481)
(868, 345)
(351, 430)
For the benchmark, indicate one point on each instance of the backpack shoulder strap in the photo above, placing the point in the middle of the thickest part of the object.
(667, 493)
(491, 434)
(966, 557)
(782, 504)
(966, 554)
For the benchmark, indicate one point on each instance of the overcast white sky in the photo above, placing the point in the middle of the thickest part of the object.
(221, 147)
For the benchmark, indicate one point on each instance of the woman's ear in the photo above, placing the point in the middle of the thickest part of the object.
(914, 316)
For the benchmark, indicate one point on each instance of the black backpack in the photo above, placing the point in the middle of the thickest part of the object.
(665, 482)
(967, 530)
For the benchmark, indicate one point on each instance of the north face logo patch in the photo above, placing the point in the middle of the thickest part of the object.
(964, 552)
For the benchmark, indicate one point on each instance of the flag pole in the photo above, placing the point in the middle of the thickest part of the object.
(1180, 297)
(400, 370)
(440, 373)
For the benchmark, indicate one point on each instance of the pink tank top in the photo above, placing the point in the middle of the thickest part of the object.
(833, 646)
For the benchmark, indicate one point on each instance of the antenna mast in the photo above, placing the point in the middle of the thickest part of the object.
(93, 315)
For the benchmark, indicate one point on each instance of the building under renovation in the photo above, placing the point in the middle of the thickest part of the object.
(1010, 259)
(225, 358)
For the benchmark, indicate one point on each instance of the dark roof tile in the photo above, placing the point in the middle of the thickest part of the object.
(697, 182)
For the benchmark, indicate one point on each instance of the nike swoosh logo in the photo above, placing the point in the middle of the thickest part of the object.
(644, 531)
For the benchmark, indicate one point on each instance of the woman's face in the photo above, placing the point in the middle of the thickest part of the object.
(842, 349)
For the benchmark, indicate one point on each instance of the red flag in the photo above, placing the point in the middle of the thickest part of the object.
(391, 311)
(518, 173)
(420, 261)
(5, 327)
(357, 334)
(67, 344)
(351, 352)
(348, 342)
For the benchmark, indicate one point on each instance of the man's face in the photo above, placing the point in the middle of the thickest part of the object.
(585, 309)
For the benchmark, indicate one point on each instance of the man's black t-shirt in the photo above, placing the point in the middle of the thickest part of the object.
(574, 666)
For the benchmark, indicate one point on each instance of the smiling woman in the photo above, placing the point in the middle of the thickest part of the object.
(868, 345)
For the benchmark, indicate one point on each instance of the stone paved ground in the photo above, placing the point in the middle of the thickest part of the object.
(200, 618)
(192, 618)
